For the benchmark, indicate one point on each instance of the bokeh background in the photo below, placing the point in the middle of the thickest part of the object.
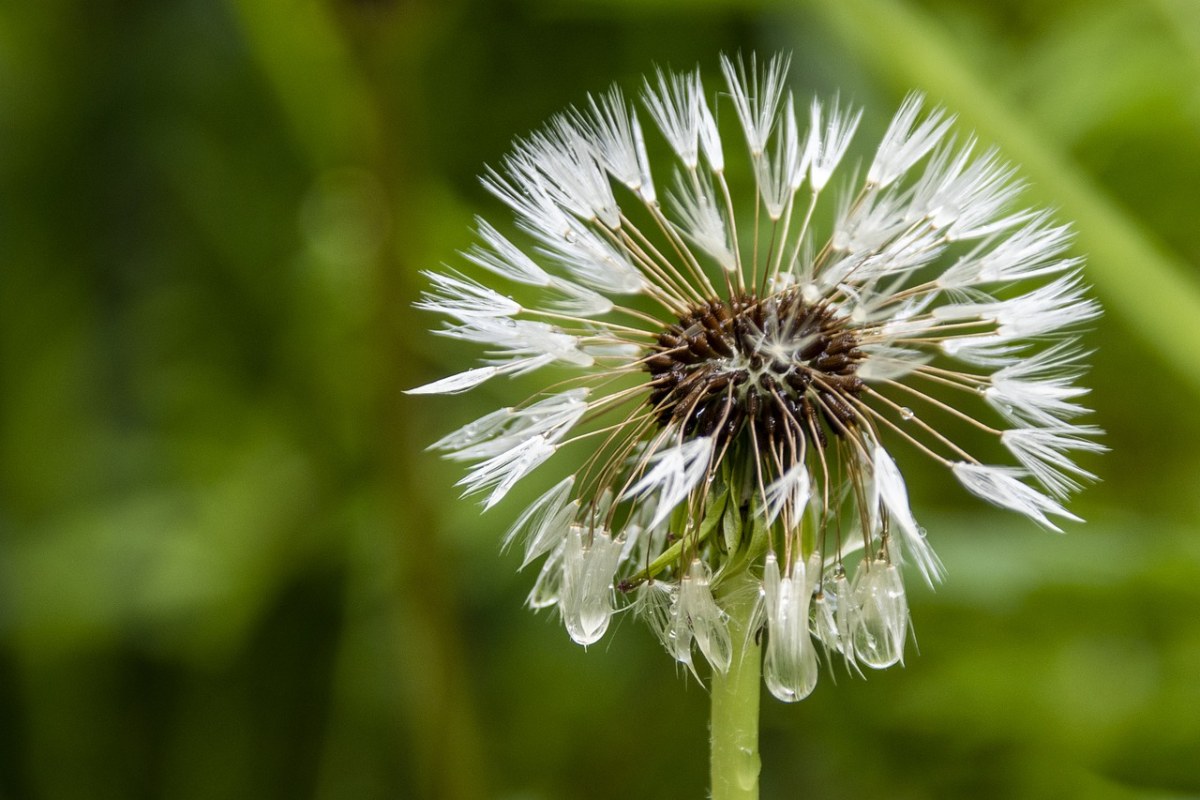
(229, 570)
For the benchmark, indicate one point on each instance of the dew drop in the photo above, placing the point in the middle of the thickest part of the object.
(880, 626)
(748, 767)
(906, 413)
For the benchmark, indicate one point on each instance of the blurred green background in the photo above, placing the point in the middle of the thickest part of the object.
(228, 570)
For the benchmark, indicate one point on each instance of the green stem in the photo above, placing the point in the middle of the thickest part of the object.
(734, 742)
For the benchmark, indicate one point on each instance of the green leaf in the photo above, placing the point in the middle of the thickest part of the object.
(731, 526)
(716, 508)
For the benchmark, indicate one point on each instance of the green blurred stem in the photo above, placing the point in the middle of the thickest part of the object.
(734, 731)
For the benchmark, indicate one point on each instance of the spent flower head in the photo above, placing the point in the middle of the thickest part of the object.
(734, 378)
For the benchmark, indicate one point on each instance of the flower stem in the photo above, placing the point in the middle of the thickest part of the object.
(734, 730)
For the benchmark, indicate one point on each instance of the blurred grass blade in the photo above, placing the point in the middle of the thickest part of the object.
(325, 98)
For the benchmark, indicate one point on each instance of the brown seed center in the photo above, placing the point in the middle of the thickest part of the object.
(779, 366)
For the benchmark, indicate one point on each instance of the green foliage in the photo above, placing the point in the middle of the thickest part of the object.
(227, 567)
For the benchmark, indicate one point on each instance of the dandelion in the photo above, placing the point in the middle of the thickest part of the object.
(734, 366)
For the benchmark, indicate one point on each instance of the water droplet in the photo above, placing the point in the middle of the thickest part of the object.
(881, 622)
(906, 413)
(748, 766)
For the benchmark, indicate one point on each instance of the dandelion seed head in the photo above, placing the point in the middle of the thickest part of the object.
(738, 379)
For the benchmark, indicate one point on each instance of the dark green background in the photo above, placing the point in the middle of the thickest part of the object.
(228, 570)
